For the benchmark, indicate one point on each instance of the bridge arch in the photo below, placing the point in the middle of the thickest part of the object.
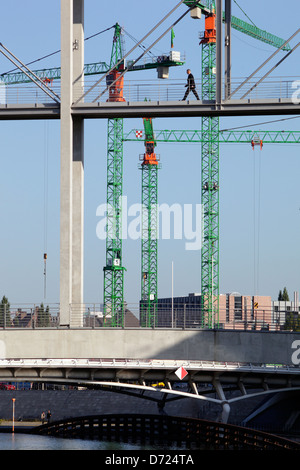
(224, 403)
(137, 376)
(168, 430)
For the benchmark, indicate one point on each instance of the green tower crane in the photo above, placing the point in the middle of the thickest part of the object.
(210, 158)
(114, 269)
(149, 167)
(252, 137)
(210, 181)
(113, 285)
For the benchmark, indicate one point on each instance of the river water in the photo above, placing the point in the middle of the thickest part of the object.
(19, 441)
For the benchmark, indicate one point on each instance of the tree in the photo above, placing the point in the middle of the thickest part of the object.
(4, 312)
(285, 295)
(43, 317)
(292, 322)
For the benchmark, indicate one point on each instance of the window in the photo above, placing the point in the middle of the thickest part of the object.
(238, 308)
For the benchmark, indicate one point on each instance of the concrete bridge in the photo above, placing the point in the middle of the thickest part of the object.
(254, 363)
(257, 347)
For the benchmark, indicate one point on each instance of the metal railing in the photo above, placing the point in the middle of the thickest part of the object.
(29, 316)
(148, 90)
(191, 316)
(177, 316)
(178, 432)
(25, 94)
(173, 90)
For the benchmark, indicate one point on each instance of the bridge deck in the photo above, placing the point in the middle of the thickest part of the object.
(157, 99)
(155, 109)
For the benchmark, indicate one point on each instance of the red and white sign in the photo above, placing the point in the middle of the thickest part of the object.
(181, 373)
(139, 134)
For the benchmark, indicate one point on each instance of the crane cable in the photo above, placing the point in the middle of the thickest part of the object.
(259, 124)
(141, 46)
(244, 13)
(256, 218)
(56, 52)
(46, 157)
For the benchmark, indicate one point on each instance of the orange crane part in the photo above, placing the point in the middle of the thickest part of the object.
(115, 81)
(210, 35)
(149, 155)
(256, 142)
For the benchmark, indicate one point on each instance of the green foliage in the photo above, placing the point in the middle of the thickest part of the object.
(292, 322)
(284, 296)
(4, 312)
(43, 316)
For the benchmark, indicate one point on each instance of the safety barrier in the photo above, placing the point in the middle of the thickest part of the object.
(173, 90)
(268, 317)
(149, 90)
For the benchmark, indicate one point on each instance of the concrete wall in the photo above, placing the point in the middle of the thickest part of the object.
(223, 346)
(72, 403)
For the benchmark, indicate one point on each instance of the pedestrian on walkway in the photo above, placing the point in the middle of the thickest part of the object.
(190, 85)
(48, 416)
(43, 416)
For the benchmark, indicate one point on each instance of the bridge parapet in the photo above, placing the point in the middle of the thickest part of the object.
(184, 315)
(150, 90)
(256, 347)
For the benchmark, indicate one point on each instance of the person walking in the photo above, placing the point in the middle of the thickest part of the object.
(43, 416)
(49, 416)
(190, 85)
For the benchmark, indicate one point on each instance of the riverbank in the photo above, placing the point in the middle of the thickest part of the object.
(9, 426)
(69, 403)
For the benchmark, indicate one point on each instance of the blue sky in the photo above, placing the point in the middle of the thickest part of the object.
(31, 30)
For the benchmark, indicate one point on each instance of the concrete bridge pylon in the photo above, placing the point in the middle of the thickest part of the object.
(72, 159)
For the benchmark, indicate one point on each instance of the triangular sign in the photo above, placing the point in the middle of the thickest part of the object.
(181, 373)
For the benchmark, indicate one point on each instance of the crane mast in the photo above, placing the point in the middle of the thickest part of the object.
(113, 296)
(210, 155)
(210, 180)
(149, 167)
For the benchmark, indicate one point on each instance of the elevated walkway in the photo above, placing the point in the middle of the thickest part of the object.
(157, 99)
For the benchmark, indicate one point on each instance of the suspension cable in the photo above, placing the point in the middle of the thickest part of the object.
(136, 60)
(56, 52)
(46, 159)
(244, 12)
(136, 41)
(131, 50)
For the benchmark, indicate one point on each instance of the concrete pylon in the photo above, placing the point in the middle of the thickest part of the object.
(72, 164)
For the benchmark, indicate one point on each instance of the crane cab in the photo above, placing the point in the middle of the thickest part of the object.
(115, 82)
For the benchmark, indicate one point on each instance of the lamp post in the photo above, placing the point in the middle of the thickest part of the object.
(13, 425)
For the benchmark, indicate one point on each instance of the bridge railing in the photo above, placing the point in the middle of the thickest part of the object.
(173, 90)
(25, 93)
(29, 315)
(161, 315)
(148, 90)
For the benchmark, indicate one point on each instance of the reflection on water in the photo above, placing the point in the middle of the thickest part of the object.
(28, 442)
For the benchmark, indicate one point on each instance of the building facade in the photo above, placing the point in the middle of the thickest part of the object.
(236, 311)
